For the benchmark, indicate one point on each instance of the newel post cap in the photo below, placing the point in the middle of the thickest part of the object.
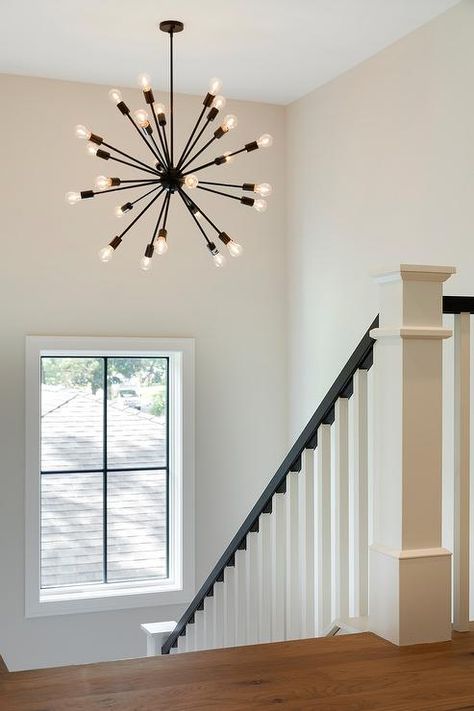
(414, 272)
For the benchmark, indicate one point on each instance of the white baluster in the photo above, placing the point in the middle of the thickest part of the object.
(341, 491)
(190, 630)
(252, 581)
(218, 621)
(199, 641)
(278, 558)
(323, 531)
(182, 644)
(293, 610)
(360, 518)
(229, 606)
(209, 622)
(240, 579)
(265, 579)
(462, 324)
(306, 543)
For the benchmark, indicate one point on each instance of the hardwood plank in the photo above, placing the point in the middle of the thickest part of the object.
(350, 673)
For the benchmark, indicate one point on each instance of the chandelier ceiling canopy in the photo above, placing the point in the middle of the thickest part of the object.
(168, 174)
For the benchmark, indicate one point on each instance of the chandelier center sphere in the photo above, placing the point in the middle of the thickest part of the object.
(172, 179)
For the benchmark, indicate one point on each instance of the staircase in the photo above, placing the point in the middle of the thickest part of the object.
(299, 565)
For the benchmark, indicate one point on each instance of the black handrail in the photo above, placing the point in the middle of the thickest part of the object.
(458, 304)
(361, 359)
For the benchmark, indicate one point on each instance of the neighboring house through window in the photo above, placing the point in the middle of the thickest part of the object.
(109, 473)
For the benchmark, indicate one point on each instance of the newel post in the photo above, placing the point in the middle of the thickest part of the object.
(410, 572)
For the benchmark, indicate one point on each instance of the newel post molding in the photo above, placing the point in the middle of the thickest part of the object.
(410, 573)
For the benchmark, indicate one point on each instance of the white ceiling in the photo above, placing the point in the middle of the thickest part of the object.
(264, 50)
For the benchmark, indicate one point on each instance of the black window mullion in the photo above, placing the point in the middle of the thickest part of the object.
(104, 459)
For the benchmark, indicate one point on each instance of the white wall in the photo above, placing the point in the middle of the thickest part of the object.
(53, 283)
(380, 170)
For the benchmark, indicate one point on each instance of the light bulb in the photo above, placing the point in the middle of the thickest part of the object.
(145, 263)
(115, 96)
(235, 249)
(230, 122)
(260, 205)
(73, 198)
(191, 181)
(215, 85)
(265, 141)
(82, 132)
(102, 183)
(120, 210)
(145, 82)
(159, 109)
(264, 189)
(92, 148)
(106, 253)
(198, 215)
(218, 103)
(219, 260)
(161, 245)
(141, 117)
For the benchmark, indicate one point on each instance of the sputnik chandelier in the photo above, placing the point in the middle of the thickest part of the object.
(164, 176)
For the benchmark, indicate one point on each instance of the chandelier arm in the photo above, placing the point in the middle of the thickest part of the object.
(187, 146)
(142, 136)
(219, 192)
(161, 159)
(137, 167)
(224, 185)
(206, 145)
(165, 138)
(190, 200)
(154, 148)
(142, 212)
(158, 130)
(236, 153)
(213, 162)
(125, 187)
(185, 156)
(198, 136)
(194, 218)
(155, 187)
(122, 153)
(166, 211)
(200, 167)
(165, 202)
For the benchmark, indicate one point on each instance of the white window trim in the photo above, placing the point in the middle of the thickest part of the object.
(180, 587)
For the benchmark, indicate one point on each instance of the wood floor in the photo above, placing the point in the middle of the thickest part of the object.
(351, 673)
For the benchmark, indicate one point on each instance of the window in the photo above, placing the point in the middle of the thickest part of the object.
(109, 489)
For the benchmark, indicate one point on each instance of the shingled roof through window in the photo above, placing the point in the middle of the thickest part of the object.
(72, 508)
